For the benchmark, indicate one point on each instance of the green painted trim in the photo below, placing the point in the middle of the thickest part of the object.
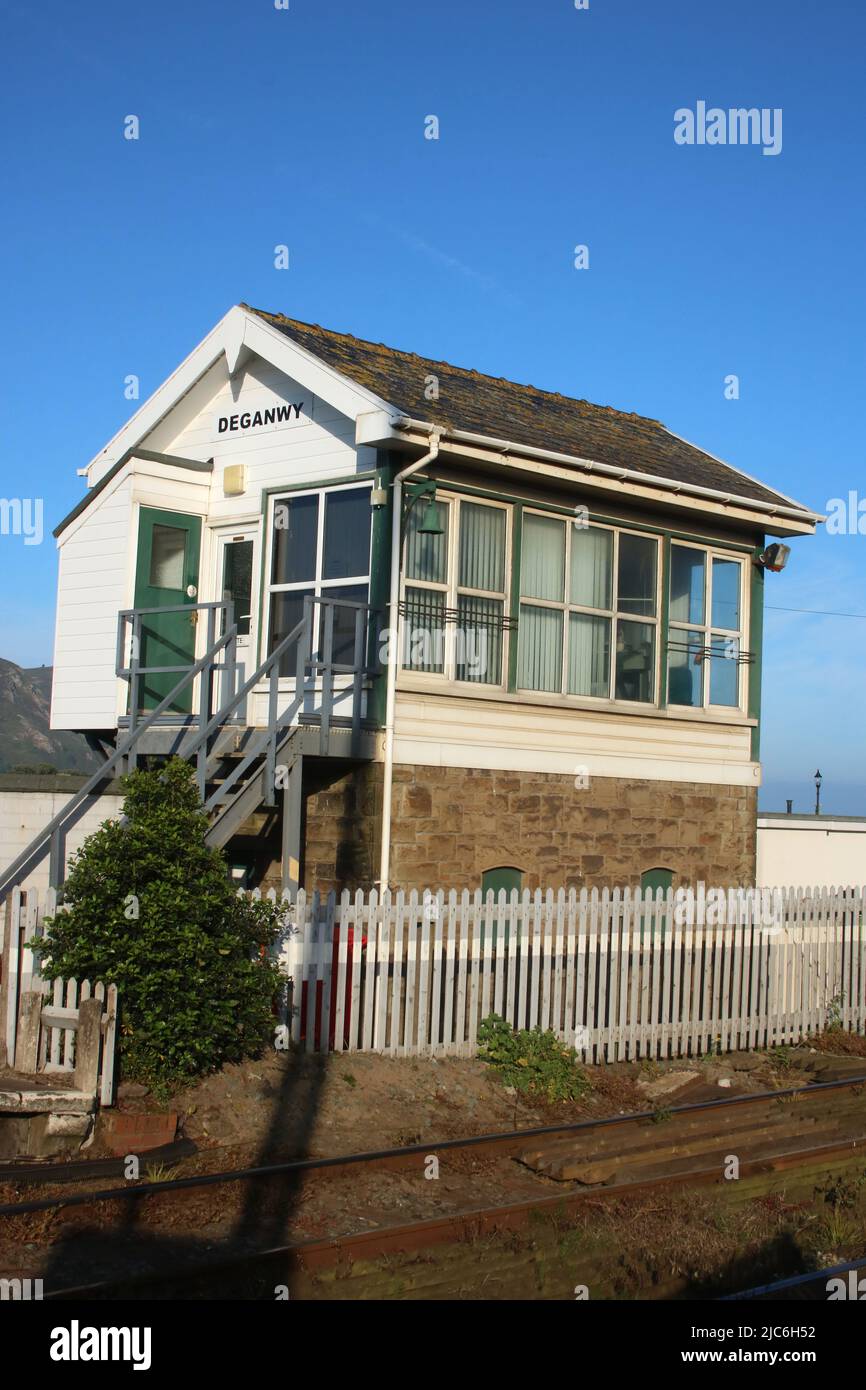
(195, 465)
(514, 602)
(664, 623)
(756, 645)
(380, 578)
(314, 485)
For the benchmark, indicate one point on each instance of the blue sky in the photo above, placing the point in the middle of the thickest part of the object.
(306, 127)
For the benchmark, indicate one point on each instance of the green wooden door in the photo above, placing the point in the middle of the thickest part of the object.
(656, 878)
(166, 574)
(505, 877)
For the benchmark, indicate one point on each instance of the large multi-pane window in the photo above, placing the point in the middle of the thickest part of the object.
(320, 544)
(454, 597)
(706, 628)
(588, 610)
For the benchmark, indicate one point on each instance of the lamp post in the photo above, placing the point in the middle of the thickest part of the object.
(818, 780)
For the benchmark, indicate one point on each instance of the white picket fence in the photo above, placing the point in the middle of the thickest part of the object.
(55, 1039)
(618, 974)
(615, 973)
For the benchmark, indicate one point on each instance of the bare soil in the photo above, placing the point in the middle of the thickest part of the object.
(296, 1105)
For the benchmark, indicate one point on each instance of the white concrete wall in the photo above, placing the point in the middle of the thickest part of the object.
(811, 851)
(24, 813)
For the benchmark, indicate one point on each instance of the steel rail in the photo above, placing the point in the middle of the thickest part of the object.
(398, 1157)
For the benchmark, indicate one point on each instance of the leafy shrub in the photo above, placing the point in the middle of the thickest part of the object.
(531, 1060)
(151, 909)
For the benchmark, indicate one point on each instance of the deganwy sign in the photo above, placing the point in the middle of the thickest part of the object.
(255, 419)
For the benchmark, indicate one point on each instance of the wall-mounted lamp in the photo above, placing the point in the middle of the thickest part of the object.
(430, 523)
(774, 558)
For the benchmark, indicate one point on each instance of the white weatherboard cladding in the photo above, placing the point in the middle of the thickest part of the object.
(97, 550)
(447, 731)
(93, 585)
(313, 446)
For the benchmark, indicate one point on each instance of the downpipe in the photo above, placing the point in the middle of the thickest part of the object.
(394, 650)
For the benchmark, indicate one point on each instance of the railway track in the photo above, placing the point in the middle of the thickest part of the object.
(770, 1133)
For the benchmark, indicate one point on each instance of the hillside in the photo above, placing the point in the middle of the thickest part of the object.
(25, 738)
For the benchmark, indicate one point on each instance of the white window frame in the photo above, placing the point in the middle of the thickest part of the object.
(614, 615)
(710, 632)
(452, 591)
(318, 585)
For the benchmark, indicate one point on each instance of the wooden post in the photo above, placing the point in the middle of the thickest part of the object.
(291, 839)
(5, 943)
(27, 1042)
(87, 1045)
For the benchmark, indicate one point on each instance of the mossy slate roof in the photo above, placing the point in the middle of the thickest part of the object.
(469, 400)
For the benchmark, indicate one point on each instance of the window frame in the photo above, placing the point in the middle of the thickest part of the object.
(452, 591)
(319, 584)
(709, 631)
(613, 615)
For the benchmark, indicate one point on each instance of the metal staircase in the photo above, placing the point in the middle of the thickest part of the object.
(239, 766)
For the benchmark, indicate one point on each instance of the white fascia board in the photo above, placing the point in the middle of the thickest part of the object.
(617, 482)
(238, 333)
(121, 477)
(792, 501)
(181, 380)
(303, 366)
(376, 427)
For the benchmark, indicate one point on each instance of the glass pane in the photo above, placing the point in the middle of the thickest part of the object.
(636, 580)
(344, 622)
(167, 551)
(238, 581)
(479, 640)
(286, 611)
(684, 668)
(542, 567)
(726, 595)
(635, 661)
(687, 585)
(588, 655)
(347, 534)
(427, 556)
(591, 567)
(296, 522)
(482, 547)
(539, 659)
(724, 671)
(424, 631)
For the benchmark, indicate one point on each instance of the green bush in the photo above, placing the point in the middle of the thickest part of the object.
(531, 1060)
(151, 909)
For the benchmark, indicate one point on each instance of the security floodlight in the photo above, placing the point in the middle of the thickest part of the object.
(774, 558)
